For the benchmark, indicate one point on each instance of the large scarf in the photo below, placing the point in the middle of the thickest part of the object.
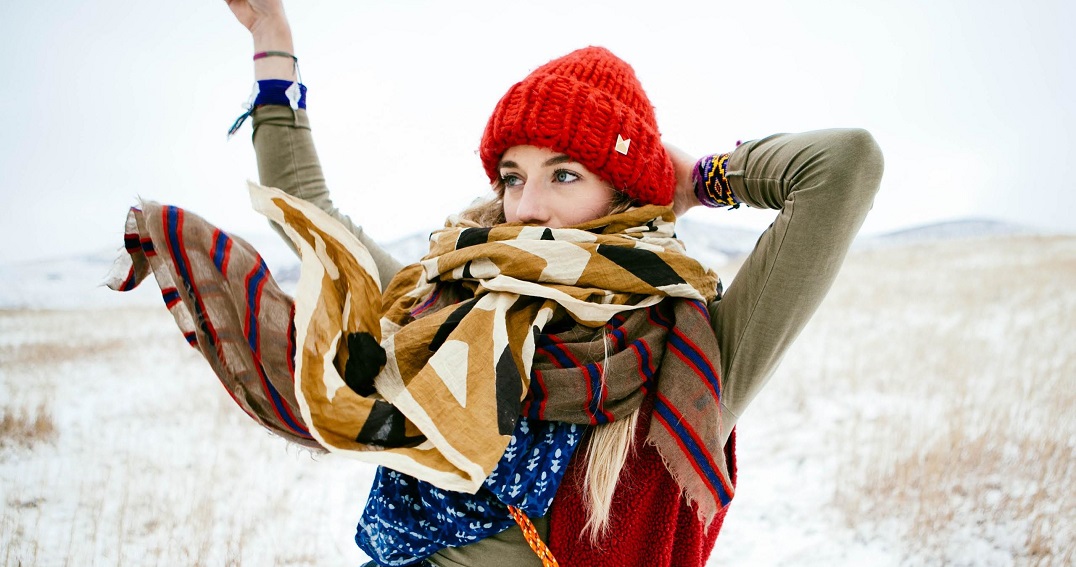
(429, 376)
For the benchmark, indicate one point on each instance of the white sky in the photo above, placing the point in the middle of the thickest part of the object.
(971, 101)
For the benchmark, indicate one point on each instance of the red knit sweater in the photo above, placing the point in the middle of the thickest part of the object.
(650, 522)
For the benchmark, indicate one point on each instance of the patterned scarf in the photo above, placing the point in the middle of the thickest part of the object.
(419, 377)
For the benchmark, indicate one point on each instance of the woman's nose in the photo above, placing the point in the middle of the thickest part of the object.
(531, 207)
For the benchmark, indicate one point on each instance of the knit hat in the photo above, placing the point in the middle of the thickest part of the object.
(590, 106)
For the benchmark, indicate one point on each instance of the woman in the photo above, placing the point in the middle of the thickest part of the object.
(574, 146)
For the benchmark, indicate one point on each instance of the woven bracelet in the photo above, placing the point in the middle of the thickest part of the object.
(711, 186)
(264, 54)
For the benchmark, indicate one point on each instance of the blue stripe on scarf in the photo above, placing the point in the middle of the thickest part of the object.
(559, 355)
(170, 296)
(129, 282)
(535, 402)
(692, 446)
(255, 281)
(131, 243)
(173, 221)
(692, 355)
(596, 396)
(221, 242)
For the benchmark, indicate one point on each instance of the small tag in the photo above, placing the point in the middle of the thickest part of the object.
(622, 144)
(293, 95)
(253, 96)
(248, 107)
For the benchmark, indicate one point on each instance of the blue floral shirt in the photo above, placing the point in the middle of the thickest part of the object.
(407, 519)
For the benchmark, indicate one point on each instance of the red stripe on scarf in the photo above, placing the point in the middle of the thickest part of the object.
(254, 303)
(182, 264)
(690, 431)
(128, 282)
(539, 392)
(130, 242)
(711, 379)
(171, 296)
(222, 251)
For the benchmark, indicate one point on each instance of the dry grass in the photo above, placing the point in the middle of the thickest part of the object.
(936, 385)
(25, 428)
(153, 463)
(970, 456)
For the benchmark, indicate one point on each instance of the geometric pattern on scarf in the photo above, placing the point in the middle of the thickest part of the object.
(594, 281)
(458, 330)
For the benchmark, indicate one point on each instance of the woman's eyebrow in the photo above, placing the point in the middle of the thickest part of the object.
(557, 159)
(562, 158)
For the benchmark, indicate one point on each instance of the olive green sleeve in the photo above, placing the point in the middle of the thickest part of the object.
(288, 161)
(824, 184)
(506, 548)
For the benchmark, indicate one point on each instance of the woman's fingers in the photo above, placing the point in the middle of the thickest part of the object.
(255, 13)
(243, 12)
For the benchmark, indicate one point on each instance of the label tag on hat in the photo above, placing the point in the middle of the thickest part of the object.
(622, 144)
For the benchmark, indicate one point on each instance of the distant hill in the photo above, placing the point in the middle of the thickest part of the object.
(75, 281)
(948, 230)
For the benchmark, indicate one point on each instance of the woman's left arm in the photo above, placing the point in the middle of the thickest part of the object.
(824, 183)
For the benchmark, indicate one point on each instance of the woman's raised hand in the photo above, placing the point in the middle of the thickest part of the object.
(684, 198)
(257, 14)
(269, 26)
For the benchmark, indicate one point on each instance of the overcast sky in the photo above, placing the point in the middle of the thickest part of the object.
(105, 101)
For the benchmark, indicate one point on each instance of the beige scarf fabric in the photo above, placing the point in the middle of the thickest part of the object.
(459, 373)
(428, 377)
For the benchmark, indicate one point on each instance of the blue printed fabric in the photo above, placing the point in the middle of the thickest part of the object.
(407, 519)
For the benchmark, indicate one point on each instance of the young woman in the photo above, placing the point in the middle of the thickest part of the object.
(621, 450)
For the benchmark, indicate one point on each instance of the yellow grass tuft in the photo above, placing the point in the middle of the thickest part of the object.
(24, 428)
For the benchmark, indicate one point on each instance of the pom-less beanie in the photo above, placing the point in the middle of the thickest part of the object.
(590, 106)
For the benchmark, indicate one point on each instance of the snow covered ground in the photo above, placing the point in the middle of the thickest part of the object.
(923, 418)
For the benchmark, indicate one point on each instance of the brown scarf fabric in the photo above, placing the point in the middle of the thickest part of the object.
(428, 377)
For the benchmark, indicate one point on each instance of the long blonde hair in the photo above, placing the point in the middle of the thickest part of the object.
(610, 444)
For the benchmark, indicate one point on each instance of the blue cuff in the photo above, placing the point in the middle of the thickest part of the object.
(274, 91)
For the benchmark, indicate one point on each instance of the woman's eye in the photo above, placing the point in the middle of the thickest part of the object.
(564, 176)
(511, 180)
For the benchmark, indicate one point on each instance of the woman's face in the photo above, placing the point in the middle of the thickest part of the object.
(546, 188)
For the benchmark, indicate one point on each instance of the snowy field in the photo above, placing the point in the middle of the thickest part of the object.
(925, 417)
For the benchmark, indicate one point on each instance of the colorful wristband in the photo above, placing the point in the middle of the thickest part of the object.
(271, 92)
(281, 92)
(711, 186)
(264, 54)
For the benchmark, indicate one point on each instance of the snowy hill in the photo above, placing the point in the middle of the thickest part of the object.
(948, 230)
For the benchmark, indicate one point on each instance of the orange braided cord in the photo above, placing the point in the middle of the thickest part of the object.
(533, 539)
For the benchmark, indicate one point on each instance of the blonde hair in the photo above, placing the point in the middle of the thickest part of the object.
(609, 444)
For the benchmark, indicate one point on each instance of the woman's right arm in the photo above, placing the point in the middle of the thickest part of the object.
(823, 183)
(283, 143)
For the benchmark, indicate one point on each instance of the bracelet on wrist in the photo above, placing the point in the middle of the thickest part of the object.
(271, 92)
(711, 186)
(264, 54)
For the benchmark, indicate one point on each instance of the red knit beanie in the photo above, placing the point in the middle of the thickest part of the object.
(590, 106)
